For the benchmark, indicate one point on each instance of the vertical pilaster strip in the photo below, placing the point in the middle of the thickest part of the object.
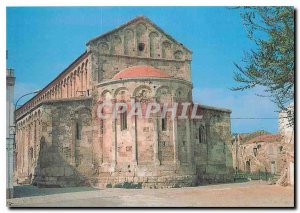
(75, 93)
(101, 132)
(26, 149)
(73, 143)
(114, 135)
(175, 136)
(134, 134)
(175, 141)
(156, 137)
(188, 139)
(81, 79)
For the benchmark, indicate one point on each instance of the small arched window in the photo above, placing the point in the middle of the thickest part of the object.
(164, 124)
(78, 130)
(123, 118)
(141, 46)
(202, 134)
(255, 151)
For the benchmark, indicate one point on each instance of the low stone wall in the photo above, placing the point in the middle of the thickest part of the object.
(214, 178)
(153, 182)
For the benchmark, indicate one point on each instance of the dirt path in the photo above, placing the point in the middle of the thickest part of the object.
(249, 194)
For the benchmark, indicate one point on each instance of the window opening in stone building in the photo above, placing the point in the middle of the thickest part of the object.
(123, 118)
(255, 151)
(202, 134)
(248, 166)
(78, 131)
(102, 123)
(164, 124)
(273, 168)
(141, 46)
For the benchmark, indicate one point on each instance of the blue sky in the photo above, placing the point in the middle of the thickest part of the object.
(41, 42)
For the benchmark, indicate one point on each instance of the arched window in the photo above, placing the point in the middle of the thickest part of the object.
(123, 118)
(78, 130)
(102, 123)
(166, 50)
(248, 166)
(255, 151)
(202, 134)
(164, 124)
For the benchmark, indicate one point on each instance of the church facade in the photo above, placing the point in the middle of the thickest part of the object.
(62, 141)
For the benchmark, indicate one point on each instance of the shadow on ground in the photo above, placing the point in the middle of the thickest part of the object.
(30, 190)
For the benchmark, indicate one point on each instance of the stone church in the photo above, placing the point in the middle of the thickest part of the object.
(60, 140)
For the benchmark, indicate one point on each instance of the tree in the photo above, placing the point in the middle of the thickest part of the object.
(271, 64)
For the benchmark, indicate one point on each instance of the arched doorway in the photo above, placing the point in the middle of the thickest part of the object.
(273, 168)
(248, 166)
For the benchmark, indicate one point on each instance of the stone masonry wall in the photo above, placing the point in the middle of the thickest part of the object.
(140, 42)
(143, 153)
(211, 139)
(63, 142)
(65, 148)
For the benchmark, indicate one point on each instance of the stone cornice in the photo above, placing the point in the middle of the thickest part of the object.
(177, 80)
(145, 58)
(215, 108)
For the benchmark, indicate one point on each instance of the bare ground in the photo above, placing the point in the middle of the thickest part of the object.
(248, 194)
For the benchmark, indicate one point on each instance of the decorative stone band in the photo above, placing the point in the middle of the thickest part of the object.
(140, 79)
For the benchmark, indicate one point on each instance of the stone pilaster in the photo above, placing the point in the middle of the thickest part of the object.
(114, 136)
(156, 137)
(175, 136)
(73, 144)
(175, 141)
(188, 140)
(134, 135)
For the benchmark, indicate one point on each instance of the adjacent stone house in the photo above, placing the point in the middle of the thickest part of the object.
(261, 152)
(62, 141)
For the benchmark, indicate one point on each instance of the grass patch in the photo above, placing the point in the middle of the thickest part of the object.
(176, 186)
(129, 185)
(109, 185)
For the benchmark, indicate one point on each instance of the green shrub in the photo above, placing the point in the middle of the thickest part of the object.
(176, 186)
(129, 185)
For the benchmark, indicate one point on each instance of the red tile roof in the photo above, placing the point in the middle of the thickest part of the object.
(139, 72)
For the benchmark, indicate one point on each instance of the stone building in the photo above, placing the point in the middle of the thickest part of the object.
(261, 152)
(62, 141)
